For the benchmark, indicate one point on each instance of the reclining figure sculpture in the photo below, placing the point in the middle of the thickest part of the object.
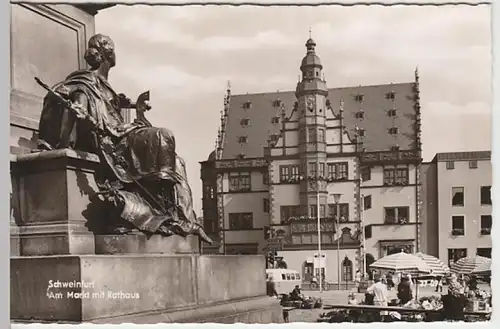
(141, 176)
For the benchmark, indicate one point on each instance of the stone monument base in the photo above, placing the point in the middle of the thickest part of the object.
(141, 289)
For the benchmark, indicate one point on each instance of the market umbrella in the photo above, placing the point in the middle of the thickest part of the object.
(472, 265)
(402, 262)
(438, 268)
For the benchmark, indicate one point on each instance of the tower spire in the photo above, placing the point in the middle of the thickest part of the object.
(310, 33)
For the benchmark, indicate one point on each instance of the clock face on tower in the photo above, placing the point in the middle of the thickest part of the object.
(311, 103)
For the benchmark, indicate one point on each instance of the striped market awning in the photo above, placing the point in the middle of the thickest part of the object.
(472, 265)
(438, 268)
(402, 262)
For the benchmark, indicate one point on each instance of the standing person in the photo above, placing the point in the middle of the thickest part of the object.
(390, 282)
(439, 285)
(405, 293)
(314, 281)
(271, 287)
(454, 308)
(357, 279)
(380, 295)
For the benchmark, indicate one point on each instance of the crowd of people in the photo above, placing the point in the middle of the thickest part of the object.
(459, 289)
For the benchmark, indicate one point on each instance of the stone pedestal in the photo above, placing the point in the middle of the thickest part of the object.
(53, 195)
(64, 272)
(141, 289)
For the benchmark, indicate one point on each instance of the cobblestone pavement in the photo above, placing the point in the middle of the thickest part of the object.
(340, 297)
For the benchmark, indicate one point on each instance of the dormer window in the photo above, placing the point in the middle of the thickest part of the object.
(395, 148)
(242, 139)
(275, 120)
(274, 138)
(360, 115)
(392, 113)
(361, 132)
(277, 103)
(241, 156)
(393, 131)
(359, 98)
(247, 105)
(244, 122)
(390, 95)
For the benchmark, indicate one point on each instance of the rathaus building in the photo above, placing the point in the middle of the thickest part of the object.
(349, 155)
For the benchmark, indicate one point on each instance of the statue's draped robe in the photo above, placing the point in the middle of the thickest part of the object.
(149, 154)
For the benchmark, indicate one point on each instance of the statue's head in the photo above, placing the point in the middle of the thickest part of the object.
(101, 49)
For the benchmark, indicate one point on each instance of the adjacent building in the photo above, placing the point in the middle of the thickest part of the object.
(351, 156)
(458, 207)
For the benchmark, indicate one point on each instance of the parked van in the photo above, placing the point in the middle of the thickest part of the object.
(285, 280)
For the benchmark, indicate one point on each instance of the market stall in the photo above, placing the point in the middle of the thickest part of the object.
(403, 263)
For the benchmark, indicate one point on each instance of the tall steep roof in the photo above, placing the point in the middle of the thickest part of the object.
(251, 116)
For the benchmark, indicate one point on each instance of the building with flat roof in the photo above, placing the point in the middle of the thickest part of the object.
(458, 207)
(349, 155)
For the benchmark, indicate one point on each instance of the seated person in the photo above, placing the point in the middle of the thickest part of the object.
(296, 294)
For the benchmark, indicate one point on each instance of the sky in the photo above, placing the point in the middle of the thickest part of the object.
(186, 55)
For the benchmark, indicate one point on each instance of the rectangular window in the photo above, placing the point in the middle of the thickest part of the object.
(275, 120)
(367, 202)
(450, 165)
(295, 172)
(402, 176)
(396, 176)
(322, 211)
(486, 224)
(289, 174)
(311, 169)
(397, 215)
(244, 122)
(457, 196)
(313, 211)
(457, 225)
(337, 171)
(368, 232)
(486, 195)
(393, 130)
(456, 254)
(289, 212)
(321, 135)
(311, 134)
(242, 139)
(322, 169)
(343, 209)
(265, 178)
(265, 204)
(366, 174)
(239, 182)
(473, 164)
(484, 252)
(240, 220)
(284, 174)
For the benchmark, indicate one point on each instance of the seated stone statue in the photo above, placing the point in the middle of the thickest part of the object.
(142, 178)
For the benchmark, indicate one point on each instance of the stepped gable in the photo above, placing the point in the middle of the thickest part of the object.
(260, 108)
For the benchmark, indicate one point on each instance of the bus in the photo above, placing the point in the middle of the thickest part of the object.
(285, 280)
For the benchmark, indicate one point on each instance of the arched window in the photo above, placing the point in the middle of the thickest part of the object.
(347, 275)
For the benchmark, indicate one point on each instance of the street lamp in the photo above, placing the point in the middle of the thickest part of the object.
(336, 200)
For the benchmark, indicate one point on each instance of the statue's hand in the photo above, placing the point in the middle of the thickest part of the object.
(124, 101)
